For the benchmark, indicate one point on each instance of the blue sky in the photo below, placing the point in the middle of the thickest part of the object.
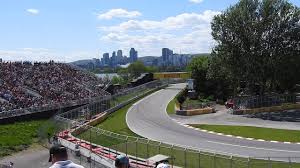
(68, 30)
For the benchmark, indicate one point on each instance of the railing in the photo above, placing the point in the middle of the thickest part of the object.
(46, 107)
(140, 149)
(249, 102)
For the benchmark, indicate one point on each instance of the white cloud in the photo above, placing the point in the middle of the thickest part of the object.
(186, 33)
(33, 11)
(119, 13)
(196, 1)
(43, 54)
(171, 23)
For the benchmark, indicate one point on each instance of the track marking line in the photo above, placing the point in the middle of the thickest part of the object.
(277, 150)
(261, 140)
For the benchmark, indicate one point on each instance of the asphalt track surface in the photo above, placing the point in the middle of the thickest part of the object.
(148, 118)
(222, 117)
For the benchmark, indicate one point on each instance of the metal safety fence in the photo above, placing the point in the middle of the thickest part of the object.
(140, 149)
(250, 102)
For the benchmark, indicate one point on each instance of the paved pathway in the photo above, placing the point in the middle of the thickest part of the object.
(222, 117)
(149, 119)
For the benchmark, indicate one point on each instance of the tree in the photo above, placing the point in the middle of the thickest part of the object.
(135, 69)
(199, 67)
(258, 43)
(205, 85)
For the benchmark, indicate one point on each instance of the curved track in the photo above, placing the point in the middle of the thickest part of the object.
(148, 118)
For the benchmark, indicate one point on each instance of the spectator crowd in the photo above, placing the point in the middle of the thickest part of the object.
(26, 84)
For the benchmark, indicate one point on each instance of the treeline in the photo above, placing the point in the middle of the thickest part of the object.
(134, 70)
(257, 50)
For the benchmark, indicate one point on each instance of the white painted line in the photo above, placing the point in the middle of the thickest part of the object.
(204, 130)
(298, 143)
(190, 127)
(287, 142)
(249, 139)
(260, 140)
(274, 141)
(229, 135)
(239, 137)
(277, 150)
(220, 133)
(197, 129)
(212, 132)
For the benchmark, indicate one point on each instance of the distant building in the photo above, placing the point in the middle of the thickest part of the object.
(119, 53)
(96, 62)
(113, 60)
(133, 55)
(105, 59)
(119, 57)
(167, 56)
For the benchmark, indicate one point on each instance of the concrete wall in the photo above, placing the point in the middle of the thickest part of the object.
(192, 112)
(36, 116)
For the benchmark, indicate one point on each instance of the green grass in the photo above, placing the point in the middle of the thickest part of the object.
(123, 98)
(255, 132)
(117, 123)
(171, 106)
(18, 136)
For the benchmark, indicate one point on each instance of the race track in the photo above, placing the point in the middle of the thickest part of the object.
(148, 118)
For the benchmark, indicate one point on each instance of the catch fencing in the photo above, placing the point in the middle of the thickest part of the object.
(140, 149)
(250, 102)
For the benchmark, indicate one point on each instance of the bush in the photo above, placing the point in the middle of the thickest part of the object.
(182, 96)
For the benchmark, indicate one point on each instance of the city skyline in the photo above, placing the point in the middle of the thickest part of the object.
(71, 30)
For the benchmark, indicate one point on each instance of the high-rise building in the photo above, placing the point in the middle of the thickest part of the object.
(167, 55)
(133, 55)
(105, 60)
(113, 59)
(119, 56)
(119, 53)
(164, 54)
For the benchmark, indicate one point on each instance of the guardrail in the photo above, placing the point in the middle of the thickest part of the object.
(139, 149)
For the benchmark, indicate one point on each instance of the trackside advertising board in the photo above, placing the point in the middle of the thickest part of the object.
(166, 75)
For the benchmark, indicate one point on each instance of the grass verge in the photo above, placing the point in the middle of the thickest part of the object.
(184, 158)
(123, 98)
(268, 134)
(171, 106)
(18, 136)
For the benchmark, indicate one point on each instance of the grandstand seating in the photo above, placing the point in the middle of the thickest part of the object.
(25, 84)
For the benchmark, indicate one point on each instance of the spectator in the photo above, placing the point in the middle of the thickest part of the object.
(122, 162)
(163, 165)
(59, 158)
(25, 84)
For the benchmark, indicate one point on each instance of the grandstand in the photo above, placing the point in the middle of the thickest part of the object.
(26, 85)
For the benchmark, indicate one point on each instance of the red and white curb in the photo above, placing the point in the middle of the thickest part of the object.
(233, 136)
